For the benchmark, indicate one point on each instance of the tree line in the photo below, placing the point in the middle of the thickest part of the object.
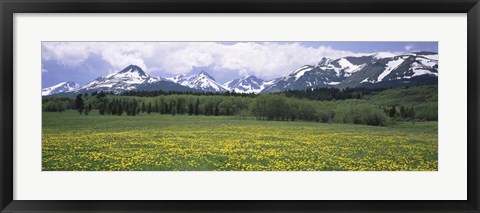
(164, 104)
(324, 94)
(278, 107)
(155, 93)
(328, 94)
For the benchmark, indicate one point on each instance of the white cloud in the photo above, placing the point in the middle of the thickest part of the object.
(267, 60)
(408, 47)
(65, 53)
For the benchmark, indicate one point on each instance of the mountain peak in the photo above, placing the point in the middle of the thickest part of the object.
(133, 68)
(206, 74)
(247, 84)
(202, 81)
(127, 79)
(324, 61)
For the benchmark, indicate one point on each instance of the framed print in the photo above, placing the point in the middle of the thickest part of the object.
(245, 106)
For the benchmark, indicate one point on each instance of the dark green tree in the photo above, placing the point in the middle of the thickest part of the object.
(392, 112)
(197, 107)
(190, 109)
(88, 108)
(79, 103)
(149, 108)
(119, 108)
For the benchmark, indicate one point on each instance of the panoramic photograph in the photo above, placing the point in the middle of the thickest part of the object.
(239, 106)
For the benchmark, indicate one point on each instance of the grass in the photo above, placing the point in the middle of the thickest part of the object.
(73, 142)
(407, 96)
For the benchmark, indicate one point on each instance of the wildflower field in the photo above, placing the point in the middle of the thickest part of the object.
(155, 142)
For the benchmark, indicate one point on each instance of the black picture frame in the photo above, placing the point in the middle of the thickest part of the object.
(9, 7)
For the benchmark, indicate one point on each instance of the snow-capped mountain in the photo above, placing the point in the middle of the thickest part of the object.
(374, 70)
(130, 78)
(203, 81)
(378, 70)
(127, 79)
(68, 86)
(412, 68)
(247, 84)
(327, 73)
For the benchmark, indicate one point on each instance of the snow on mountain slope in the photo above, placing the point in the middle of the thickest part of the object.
(347, 67)
(418, 64)
(248, 84)
(422, 69)
(68, 86)
(202, 81)
(301, 71)
(391, 65)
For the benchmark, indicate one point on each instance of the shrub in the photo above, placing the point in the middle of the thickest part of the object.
(369, 115)
(375, 118)
(325, 116)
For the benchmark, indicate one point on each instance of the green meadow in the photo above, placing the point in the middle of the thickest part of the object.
(162, 142)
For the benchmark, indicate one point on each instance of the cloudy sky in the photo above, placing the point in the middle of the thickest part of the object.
(83, 62)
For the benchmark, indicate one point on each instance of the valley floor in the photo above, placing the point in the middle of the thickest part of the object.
(154, 142)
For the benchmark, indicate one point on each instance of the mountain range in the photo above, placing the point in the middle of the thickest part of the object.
(203, 81)
(378, 70)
